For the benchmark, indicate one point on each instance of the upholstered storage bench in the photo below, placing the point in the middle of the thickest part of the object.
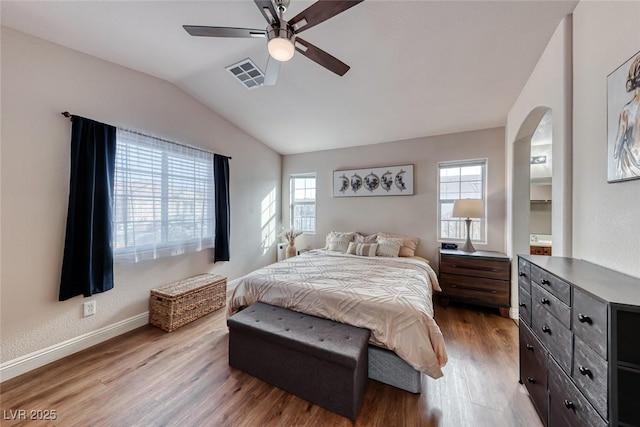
(178, 303)
(319, 360)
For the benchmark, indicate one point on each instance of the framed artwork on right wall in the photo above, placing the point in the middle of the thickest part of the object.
(623, 121)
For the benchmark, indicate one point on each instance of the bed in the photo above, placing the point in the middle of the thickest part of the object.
(392, 297)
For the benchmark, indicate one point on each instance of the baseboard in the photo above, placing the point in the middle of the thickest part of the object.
(513, 313)
(31, 361)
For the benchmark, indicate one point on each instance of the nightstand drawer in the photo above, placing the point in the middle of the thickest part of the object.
(552, 284)
(475, 288)
(476, 267)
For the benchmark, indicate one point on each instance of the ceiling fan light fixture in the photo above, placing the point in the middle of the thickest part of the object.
(280, 44)
(281, 49)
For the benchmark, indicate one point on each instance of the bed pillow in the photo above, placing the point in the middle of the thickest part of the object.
(388, 247)
(361, 238)
(362, 249)
(339, 242)
(409, 244)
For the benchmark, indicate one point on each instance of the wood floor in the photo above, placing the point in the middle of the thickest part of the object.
(151, 378)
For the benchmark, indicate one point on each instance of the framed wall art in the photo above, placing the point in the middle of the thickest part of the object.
(623, 121)
(381, 181)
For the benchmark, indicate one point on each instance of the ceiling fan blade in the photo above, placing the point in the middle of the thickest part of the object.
(196, 30)
(266, 7)
(321, 57)
(271, 72)
(319, 12)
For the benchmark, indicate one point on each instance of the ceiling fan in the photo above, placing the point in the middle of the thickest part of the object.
(282, 35)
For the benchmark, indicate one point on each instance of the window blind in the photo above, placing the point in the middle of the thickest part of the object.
(163, 198)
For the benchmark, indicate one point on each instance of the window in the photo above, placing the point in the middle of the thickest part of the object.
(303, 202)
(163, 198)
(460, 180)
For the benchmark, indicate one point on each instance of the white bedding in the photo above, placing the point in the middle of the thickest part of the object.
(392, 297)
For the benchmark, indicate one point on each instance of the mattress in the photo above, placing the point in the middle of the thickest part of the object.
(392, 297)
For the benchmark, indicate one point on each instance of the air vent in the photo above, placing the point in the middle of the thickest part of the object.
(247, 73)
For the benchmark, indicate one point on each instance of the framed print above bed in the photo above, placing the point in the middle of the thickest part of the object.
(623, 121)
(381, 181)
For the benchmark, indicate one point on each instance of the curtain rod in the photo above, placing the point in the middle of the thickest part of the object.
(70, 117)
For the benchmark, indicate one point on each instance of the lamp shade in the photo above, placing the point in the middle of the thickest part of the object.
(468, 208)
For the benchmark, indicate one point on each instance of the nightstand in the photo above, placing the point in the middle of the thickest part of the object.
(481, 277)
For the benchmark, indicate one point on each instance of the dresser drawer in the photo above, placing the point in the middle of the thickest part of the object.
(524, 305)
(567, 405)
(590, 321)
(533, 370)
(590, 373)
(476, 267)
(558, 287)
(553, 334)
(524, 275)
(560, 310)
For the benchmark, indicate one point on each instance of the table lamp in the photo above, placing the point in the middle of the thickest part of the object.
(468, 208)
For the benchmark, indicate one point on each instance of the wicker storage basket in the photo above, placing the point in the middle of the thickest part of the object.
(178, 303)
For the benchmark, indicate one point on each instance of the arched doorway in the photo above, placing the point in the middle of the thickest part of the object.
(521, 201)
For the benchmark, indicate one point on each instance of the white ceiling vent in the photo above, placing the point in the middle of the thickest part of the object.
(247, 73)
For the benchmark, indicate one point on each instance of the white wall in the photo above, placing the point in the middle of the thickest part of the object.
(548, 87)
(409, 215)
(40, 80)
(607, 216)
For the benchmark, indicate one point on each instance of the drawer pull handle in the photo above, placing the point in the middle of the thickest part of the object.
(522, 274)
(529, 347)
(585, 371)
(545, 282)
(546, 329)
(584, 319)
(544, 301)
(473, 268)
(568, 404)
(522, 304)
(531, 380)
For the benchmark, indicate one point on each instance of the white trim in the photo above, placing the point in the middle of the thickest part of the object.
(31, 361)
(513, 313)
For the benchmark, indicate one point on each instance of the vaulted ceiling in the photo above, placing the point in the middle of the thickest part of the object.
(418, 68)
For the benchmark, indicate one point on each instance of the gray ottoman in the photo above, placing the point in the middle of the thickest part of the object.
(321, 361)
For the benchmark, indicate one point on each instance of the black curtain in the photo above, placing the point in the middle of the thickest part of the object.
(221, 178)
(87, 266)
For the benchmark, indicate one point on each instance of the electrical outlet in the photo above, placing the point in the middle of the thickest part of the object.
(88, 308)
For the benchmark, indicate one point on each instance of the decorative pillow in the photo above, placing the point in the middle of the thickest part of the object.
(361, 238)
(388, 247)
(362, 249)
(338, 242)
(409, 244)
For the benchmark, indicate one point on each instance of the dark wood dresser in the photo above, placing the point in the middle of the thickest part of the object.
(579, 342)
(480, 277)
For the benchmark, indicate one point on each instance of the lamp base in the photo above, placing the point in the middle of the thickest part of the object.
(468, 246)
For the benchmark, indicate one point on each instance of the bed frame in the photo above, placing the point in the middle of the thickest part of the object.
(387, 367)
